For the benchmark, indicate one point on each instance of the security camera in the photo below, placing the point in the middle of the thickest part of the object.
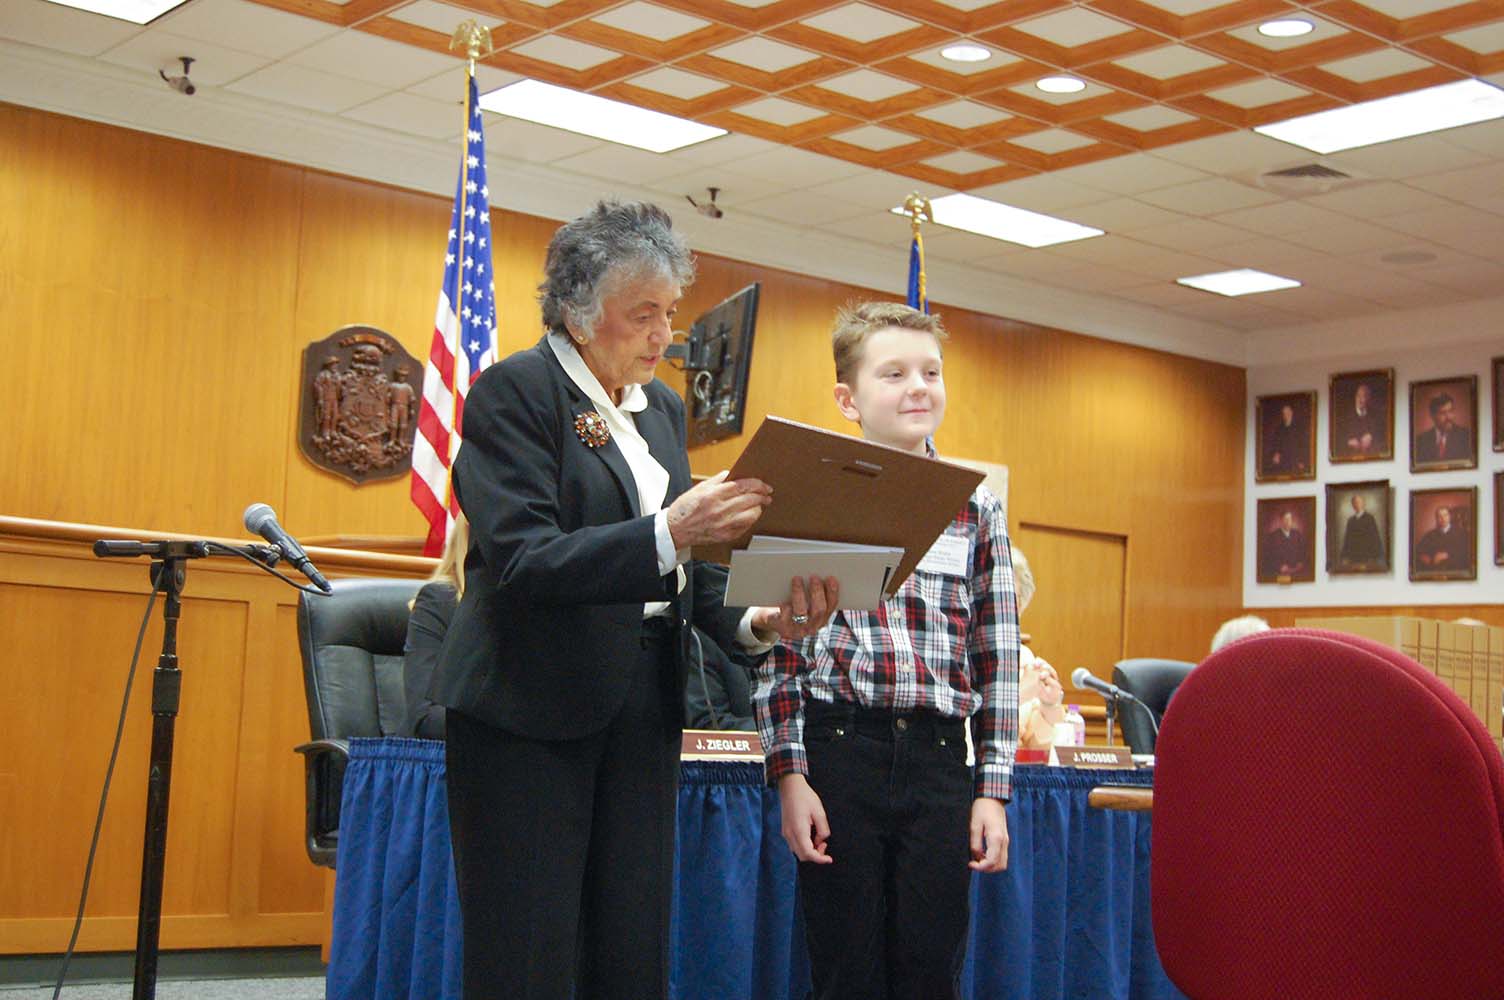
(708, 209)
(181, 84)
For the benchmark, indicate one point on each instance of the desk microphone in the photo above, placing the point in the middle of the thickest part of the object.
(262, 520)
(1085, 680)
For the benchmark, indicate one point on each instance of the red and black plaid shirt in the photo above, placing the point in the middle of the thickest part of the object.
(945, 643)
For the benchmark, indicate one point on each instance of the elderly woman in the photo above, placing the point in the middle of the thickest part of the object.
(564, 669)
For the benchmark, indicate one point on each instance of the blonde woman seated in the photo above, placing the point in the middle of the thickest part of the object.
(1040, 694)
(426, 627)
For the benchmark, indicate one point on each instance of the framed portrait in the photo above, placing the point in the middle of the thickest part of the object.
(1444, 424)
(1359, 519)
(1286, 550)
(1443, 534)
(1286, 437)
(1499, 518)
(1361, 416)
(1498, 373)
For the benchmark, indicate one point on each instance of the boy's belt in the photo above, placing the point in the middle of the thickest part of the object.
(884, 723)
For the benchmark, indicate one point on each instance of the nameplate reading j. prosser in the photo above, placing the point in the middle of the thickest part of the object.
(1095, 757)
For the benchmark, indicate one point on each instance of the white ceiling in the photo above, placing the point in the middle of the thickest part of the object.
(1420, 226)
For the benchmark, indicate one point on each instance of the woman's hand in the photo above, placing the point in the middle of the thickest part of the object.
(808, 608)
(717, 510)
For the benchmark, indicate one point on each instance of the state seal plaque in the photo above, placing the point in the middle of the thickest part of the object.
(358, 409)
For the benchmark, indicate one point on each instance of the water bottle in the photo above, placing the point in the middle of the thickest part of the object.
(1077, 722)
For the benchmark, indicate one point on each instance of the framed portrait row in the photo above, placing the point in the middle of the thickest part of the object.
(1359, 532)
(1442, 436)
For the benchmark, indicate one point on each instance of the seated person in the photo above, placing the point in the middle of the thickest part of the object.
(1040, 705)
(720, 696)
(1238, 628)
(431, 611)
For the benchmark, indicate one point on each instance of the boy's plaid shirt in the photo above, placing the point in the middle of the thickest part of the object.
(943, 643)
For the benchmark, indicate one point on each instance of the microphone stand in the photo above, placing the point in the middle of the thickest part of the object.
(1111, 703)
(169, 572)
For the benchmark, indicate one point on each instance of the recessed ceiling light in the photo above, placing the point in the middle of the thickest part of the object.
(1004, 222)
(587, 114)
(1287, 27)
(1060, 85)
(1244, 281)
(134, 11)
(1390, 118)
(965, 52)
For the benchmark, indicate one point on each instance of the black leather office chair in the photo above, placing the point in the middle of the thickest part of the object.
(351, 643)
(1151, 681)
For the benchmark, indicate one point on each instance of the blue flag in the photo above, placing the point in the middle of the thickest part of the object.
(918, 296)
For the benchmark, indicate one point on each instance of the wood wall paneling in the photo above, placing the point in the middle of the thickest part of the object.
(159, 295)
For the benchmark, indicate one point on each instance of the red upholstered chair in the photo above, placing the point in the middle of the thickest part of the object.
(1327, 824)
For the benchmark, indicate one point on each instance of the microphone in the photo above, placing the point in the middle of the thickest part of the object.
(260, 519)
(1084, 680)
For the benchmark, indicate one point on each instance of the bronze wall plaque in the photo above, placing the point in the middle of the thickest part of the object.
(358, 409)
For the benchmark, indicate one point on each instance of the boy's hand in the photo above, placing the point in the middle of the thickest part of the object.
(989, 835)
(803, 813)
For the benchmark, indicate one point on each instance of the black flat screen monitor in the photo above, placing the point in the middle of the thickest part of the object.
(717, 360)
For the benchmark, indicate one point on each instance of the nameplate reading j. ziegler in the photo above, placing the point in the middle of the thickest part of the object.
(709, 744)
(1096, 757)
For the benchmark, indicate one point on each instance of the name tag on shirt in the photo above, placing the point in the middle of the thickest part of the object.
(948, 556)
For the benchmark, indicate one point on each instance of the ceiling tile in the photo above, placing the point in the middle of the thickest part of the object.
(1134, 256)
(963, 114)
(1405, 159)
(1169, 62)
(565, 52)
(881, 228)
(677, 83)
(1272, 255)
(1190, 234)
(1208, 197)
(733, 189)
(1348, 237)
(1465, 274)
(404, 112)
(1073, 27)
(800, 208)
(967, 5)
(799, 167)
(306, 88)
(64, 29)
(859, 22)
(727, 149)
(874, 137)
(379, 61)
(763, 54)
(621, 164)
(876, 189)
(962, 162)
(945, 243)
(1322, 30)
(1484, 40)
(450, 84)
(1257, 93)
(1160, 294)
(246, 27)
(1376, 200)
(1052, 140)
(1040, 193)
(650, 21)
(932, 57)
(1122, 215)
(530, 142)
(778, 111)
(1484, 137)
(865, 85)
(1242, 152)
(441, 17)
(158, 49)
(1292, 216)
(1132, 174)
(1185, 8)
(1148, 119)
(755, 3)
(1378, 65)
(1404, 9)
(1465, 185)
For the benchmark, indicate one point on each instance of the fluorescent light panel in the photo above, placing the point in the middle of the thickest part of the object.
(1244, 281)
(594, 116)
(965, 53)
(1388, 118)
(1004, 222)
(134, 11)
(1060, 85)
(1289, 27)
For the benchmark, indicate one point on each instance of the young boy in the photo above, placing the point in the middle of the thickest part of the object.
(863, 724)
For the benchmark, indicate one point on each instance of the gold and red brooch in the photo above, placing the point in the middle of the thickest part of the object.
(592, 429)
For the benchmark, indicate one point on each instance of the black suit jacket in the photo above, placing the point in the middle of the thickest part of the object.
(1459, 446)
(560, 559)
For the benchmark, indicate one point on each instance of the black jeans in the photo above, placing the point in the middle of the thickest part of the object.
(887, 918)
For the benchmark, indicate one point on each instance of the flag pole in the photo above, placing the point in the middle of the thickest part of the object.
(475, 39)
(917, 207)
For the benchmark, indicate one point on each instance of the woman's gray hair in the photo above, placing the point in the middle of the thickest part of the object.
(592, 256)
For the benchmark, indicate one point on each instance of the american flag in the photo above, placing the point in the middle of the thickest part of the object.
(464, 335)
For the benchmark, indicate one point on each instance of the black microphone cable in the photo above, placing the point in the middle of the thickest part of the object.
(104, 794)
